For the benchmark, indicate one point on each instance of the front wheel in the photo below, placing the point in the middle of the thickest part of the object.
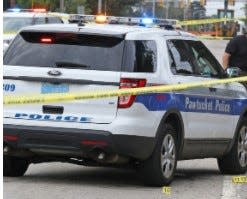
(159, 169)
(236, 161)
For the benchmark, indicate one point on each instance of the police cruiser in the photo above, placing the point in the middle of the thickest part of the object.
(15, 19)
(150, 132)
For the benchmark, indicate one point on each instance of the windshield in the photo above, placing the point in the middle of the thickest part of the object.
(13, 24)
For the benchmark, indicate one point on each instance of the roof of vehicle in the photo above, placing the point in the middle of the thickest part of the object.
(106, 29)
(27, 14)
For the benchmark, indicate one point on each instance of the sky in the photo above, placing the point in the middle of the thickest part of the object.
(212, 7)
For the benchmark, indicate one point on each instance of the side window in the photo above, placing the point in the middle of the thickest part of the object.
(52, 20)
(140, 56)
(181, 63)
(41, 20)
(205, 63)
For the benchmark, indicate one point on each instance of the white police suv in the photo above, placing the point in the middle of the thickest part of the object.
(151, 132)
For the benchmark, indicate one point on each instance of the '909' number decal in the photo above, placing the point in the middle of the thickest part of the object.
(9, 87)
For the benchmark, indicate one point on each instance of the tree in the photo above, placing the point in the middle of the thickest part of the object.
(245, 12)
(245, 9)
(110, 7)
(71, 6)
(113, 7)
(51, 5)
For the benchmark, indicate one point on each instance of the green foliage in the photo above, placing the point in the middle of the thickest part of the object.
(51, 5)
(24, 3)
(245, 11)
(111, 7)
(71, 5)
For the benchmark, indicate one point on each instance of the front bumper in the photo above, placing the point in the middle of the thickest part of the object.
(79, 141)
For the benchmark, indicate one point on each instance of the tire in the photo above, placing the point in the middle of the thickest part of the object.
(235, 162)
(14, 167)
(159, 169)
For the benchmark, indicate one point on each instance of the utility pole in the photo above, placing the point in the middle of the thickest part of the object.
(105, 7)
(225, 16)
(186, 7)
(99, 6)
(167, 9)
(61, 5)
(154, 5)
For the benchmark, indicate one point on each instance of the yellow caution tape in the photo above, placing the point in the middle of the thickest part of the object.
(10, 33)
(203, 21)
(214, 37)
(48, 98)
(207, 21)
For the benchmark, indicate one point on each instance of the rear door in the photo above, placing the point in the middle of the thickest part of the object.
(62, 63)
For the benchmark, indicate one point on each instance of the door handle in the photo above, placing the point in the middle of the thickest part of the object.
(53, 109)
(211, 89)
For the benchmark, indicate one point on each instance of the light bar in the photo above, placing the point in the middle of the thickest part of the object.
(146, 22)
(26, 10)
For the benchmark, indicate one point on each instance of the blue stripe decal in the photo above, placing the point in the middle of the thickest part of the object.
(190, 103)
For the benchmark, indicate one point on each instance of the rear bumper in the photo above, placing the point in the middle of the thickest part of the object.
(80, 141)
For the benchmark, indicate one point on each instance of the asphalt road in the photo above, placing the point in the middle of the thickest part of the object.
(194, 179)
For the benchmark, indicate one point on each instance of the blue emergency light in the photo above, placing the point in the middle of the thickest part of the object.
(14, 10)
(147, 21)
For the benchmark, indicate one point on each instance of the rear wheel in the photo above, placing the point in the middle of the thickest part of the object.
(236, 161)
(14, 166)
(159, 169)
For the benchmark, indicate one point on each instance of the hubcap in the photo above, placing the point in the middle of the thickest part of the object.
(242, 146)
(168, 153)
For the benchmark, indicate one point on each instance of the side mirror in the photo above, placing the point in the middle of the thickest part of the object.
(233, 72)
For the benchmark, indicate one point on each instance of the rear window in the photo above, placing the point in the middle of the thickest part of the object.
(91, 52)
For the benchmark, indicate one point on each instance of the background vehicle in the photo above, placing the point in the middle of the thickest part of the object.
(15, 19)
(149, 132)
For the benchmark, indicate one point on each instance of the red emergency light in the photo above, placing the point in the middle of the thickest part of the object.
(46, 40)
(39, 10)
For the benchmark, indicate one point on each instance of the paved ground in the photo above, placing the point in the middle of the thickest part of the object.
(194, 179)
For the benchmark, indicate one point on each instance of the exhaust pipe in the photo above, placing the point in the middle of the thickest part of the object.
(6, 149)
(101, 156)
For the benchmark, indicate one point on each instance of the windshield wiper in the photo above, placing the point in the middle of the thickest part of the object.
(70, 65)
